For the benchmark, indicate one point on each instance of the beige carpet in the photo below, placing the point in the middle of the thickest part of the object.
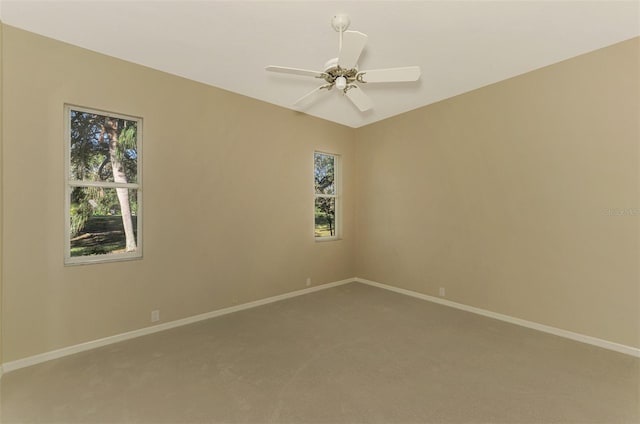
(351, 354)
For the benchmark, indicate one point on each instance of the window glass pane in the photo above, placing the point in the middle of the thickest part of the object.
(325, 220)
(103, 148)
(103, 221)
(325, 173)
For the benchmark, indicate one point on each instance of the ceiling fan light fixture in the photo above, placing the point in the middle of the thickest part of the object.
(341, 83)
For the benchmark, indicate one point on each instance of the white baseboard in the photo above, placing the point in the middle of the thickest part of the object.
(524, 323)
(70, 350)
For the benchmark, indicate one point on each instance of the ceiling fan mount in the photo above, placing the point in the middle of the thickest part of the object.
(340, 22)
(342, 72)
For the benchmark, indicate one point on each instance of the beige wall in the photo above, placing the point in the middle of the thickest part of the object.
(1, 208)
(228, 199)
(501, 196)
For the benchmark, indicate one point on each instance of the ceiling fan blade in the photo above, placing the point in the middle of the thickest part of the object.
(294, 71)
(352, 44)
(309, 97)
(409, 73)
(357, 96)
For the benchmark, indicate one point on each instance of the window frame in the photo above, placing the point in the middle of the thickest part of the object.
(71, 184)
(337, 196)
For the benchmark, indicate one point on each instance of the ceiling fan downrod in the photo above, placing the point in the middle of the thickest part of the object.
(340, 23)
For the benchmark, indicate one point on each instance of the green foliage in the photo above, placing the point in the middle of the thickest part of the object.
(126, 151)
(80, 214)
(324, 173)
(325, 214)
(89, 152)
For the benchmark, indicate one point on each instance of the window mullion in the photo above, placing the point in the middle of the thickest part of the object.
(105, 184)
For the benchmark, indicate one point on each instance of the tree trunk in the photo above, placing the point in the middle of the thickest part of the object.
(120, 177)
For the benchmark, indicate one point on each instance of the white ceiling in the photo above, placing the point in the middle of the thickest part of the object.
(460, 45)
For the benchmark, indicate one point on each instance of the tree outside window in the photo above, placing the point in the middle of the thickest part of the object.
(103, 186)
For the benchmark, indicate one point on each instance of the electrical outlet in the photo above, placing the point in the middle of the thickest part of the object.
(441, 292)
(155, 315)
(308, 281)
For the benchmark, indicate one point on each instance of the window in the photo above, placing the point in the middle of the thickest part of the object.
(327, 196)
(103, 186)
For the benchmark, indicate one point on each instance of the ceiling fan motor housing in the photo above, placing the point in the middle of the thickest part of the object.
(332, 71)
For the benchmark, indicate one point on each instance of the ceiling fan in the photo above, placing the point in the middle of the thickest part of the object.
(343, 73)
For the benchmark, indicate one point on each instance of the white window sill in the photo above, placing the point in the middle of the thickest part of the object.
(325, 239)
